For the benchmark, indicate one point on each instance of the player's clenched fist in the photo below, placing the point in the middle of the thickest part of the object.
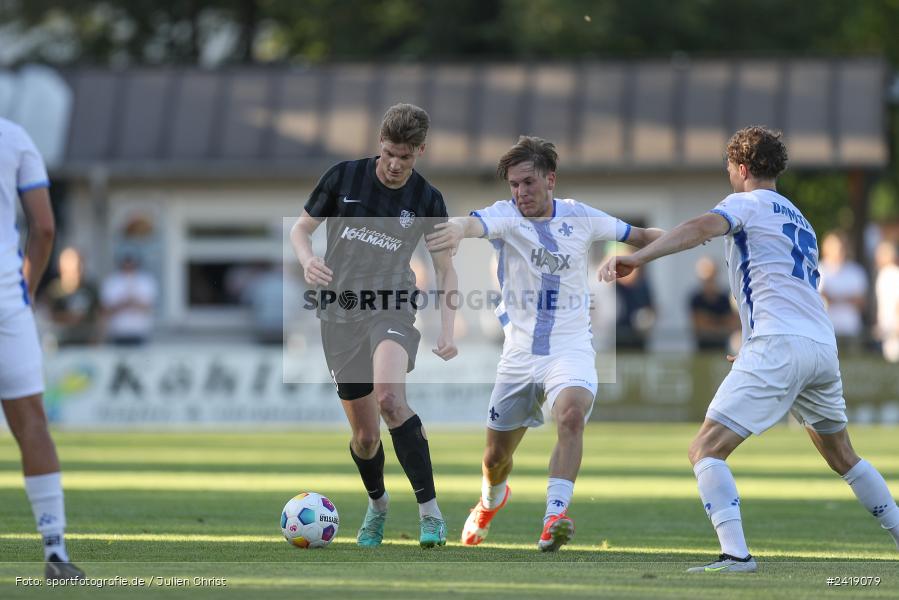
(316, 272)
(446, 236)
(617, 267)
(445, 349)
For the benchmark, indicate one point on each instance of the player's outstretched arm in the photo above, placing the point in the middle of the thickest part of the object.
(688, 234)
(640, 237)
(41, 231)
(315, 271)
(448, 282)
(447, 236)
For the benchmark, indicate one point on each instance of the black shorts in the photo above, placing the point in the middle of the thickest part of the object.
(350, 347)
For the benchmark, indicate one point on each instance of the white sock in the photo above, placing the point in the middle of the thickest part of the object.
(45, 494)
(558, 496)
(379, 505)
(492, 495)
(894, 531)
(718, 492)
(871, 490)
(429, 509)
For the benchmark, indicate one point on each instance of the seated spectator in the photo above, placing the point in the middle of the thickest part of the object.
(129, 297)
(714, 319)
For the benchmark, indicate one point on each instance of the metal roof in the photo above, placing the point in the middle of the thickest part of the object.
(612, 115)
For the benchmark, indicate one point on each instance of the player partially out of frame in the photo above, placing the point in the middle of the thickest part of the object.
(24, 177)
(368, 352)
(543, 246)
(788, 360)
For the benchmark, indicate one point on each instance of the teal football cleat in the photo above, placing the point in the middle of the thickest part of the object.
(372, 531)
(433, 532)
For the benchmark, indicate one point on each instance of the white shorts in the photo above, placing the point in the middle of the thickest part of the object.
(21, 360)
(775, 374)
(527, 384)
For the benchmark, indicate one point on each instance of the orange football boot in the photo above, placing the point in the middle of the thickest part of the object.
(558, 531)
(478, 521)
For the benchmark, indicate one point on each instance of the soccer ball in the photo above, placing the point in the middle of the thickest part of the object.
(309, 520)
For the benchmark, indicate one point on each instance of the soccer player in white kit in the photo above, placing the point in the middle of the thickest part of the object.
(788, 361)
(23, 176)
(543, 245)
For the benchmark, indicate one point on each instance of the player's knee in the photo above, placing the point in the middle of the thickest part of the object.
(571, 420)
(366, 442)
(29, 423)
(389, 400)
(32, 434)
(495, 458)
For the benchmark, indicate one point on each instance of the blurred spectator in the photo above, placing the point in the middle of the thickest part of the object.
(887, 292)
(128, 297)
(265, 296)
(714, 319)
(74, 302)
(636, 314)
(844, 286)
(603, 303)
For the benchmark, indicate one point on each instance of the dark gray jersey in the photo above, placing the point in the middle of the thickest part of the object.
(372, 232)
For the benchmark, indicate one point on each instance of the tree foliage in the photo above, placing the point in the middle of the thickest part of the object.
(176, 31)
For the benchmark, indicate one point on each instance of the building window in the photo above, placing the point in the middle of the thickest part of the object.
(223, 284)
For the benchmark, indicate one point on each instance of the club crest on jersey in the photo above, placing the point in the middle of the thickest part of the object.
(544, 259)
(406, 218)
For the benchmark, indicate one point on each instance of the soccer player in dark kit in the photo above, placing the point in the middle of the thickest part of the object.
(377, 209)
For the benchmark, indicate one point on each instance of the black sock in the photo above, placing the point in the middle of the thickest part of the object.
(372, 471)
(412, 450)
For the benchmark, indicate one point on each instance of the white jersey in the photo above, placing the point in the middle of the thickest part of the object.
(772, 258)
(542, 272)
(21, 169)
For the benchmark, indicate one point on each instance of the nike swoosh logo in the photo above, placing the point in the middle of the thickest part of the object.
(713, 569)
(416, 491)
(347, 200)
(396, 332)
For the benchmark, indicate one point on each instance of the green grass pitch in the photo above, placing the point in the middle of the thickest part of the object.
(206, 505)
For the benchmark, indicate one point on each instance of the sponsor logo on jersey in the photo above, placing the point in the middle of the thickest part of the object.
(373, 237)
(551, 261)
(407, 217)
